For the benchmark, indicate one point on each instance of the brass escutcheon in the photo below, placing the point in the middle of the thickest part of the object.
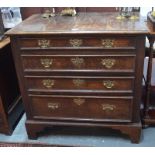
(108, 84)
(48, 83)
(43, 43)
(108, 63)
(78, 82)
(108, 107)
(75, 42)
(79, 101)
(78, 62)
(46, 62)
(108, 43)
(53, 106)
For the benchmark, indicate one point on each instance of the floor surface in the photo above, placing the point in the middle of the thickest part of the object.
(81, 137)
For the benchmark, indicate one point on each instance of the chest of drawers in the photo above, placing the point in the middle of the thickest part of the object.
(11, 107)
(80, 71)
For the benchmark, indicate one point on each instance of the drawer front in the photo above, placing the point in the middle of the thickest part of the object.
(112, 109)
(121, 84)
(74, 42)
(101, 63)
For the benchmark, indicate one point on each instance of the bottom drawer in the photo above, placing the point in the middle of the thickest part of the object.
(82, 108)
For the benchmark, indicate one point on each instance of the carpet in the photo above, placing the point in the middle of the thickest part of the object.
(6, 144)
(76, 136)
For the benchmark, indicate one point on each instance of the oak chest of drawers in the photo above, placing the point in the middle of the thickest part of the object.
(80, 71)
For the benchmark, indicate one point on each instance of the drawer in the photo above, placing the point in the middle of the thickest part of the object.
(76, 42)
(113, 109)
(115, 63)
(101, 84)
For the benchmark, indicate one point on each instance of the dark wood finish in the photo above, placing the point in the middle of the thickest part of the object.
(79, 108)
(82, 25)
(124, 62)
(133, 131)
(98, 84)
(11, 108)
(149, 110)
(118, 42)
(28, 11)
(61, 103)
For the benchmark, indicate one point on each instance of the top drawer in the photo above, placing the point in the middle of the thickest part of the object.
(79, 42)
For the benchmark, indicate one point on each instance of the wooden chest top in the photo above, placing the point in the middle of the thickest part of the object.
(83, 23)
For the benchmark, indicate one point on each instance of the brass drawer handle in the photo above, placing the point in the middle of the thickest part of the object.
(108, 43)
(76, 42)
(48, 83)
(53, 106)
(78, 82)
(46, 62)
(109, 84)
(108, 107)
(43, 43)
(78, 62)
(108, 63)
(78, 101)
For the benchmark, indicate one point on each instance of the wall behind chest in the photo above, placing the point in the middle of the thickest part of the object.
(28, 11)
